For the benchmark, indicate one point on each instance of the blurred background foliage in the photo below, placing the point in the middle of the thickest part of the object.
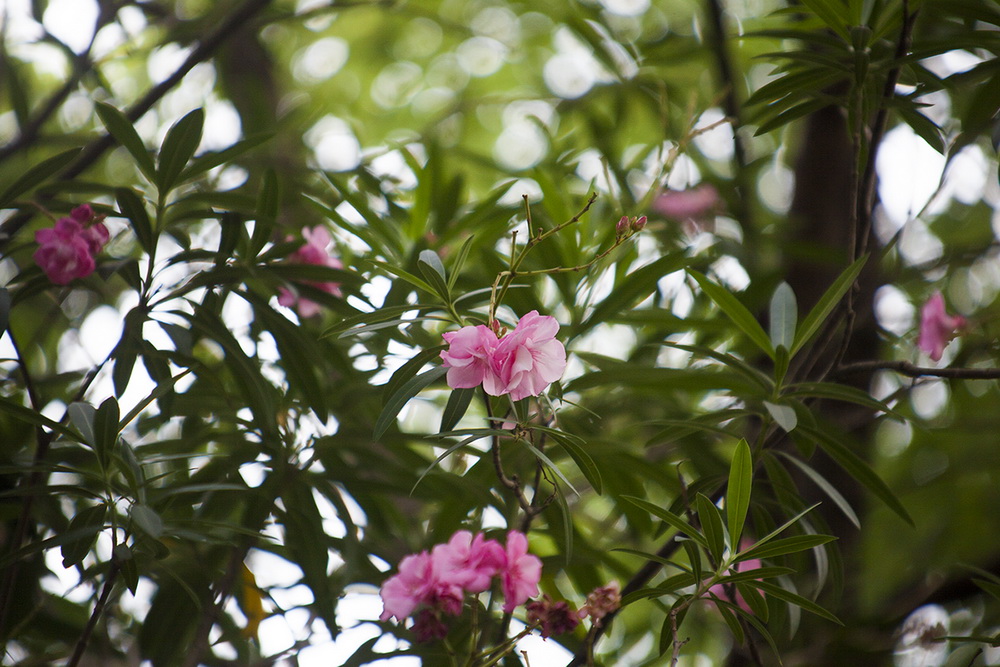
(406, 126)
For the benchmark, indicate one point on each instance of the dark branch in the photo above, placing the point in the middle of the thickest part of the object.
(912, 370)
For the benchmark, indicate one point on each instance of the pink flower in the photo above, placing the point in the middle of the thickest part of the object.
(936, 326)
(689, 204)
(468, 562)
(469, 356)
(312, 252)
(521, 572)
(417, 584)
(64, 252)
(527, 359)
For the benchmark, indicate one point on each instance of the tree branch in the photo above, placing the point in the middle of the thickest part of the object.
(912, 370)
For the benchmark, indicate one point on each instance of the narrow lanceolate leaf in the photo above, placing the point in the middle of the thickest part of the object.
(121, 128)
(711, 525)
(783, 414)
(131, 206)
(36, 175)
(792, 598)
(784, 314)
(458, 403)
(859, 469)
(459, 262)
(433, 270)
(106, 427)
(738, 492)
(829, 489)
(575, 447)
(786, 545)
(211, 160)
(735, 311)
(817, 316)
(402, 396)
(178, 146)
(671, 518)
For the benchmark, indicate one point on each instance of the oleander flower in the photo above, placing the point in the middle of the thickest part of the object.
(418, 584)
(937, 327)
(521, 572)
(469, 356)
(313, 251)
(468, 561)
(526, 360)
(692, 204)
(66, 251)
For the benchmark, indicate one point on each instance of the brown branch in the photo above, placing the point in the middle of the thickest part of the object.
(912, 370)
(102, 602)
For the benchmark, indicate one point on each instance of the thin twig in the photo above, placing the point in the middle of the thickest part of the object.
(102, 602)
(912, 370)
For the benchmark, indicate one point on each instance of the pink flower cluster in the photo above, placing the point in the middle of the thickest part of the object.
(937, 327)
(692, 204)
(434, 583)
(67, 250)
(522, 363)
(314, 252)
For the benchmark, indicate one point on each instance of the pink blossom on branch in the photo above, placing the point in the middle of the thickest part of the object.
(468, 562)
(528, 359)
(937, 327)
(313, 252)
(67, 250)
(521, 573)
(469, 356)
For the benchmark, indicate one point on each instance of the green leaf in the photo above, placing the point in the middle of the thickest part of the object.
(459, 262)
(178, 146)
(783, 414)
(433, 270)
(308, 545)
(829, 489)
(37, 174)
(738, 491)
(838, 392)
(147, 520)
(121, 128)
(574, 446)
(457, 405)
(821, 311)
(126, 564)
(82, 415)
(106, 428)
(635, 287)
(736, 312)
(833, 13)
(858, 469)
(87, 523)
(786, 545)
(787, 596)
(210, 160)
(131, 207)
(671, 518)
(267, 212)
(396, 402)
(784, 315)
(711, 525)
(540, 455)
(405, 372)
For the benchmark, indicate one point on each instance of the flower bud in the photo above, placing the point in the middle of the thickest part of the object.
(622, 227)
(638, 224)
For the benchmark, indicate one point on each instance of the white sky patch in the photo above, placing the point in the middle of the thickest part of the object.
(320, 60)
(894, 311)
(909, 171)
(72, 22)
(334, 145)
